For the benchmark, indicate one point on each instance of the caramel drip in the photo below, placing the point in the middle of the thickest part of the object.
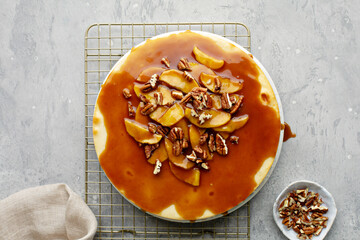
(287, 132)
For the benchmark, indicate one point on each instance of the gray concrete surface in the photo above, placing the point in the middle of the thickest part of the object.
(310, 48)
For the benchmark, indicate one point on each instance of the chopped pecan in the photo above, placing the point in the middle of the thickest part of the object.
(163, 131)
(217, 85)
(233, 100)
(308, 230)
(152, 127)
(149, 108)
(149, 149)
(203, 138)
(205, 165)
(177, 147)
(177, 94)
(237, 105)
(169, 104)
(201, 99)
(225, 101)
(184, 64)
(157, 167)
(146, 87)
(234, 139)
(166, 62)
(158, 98)
(188, 76)
(221, 146)
(131, 110)
(204, 116)
(192, 156)
(208, 100)
(211, 143)
(194, 113)
(126, 93)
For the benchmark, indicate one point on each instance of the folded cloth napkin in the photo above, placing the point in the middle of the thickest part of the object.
(46, 212)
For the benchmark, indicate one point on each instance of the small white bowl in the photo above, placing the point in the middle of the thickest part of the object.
(313, 187)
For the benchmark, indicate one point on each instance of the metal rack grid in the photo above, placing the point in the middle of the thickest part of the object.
(117, 218)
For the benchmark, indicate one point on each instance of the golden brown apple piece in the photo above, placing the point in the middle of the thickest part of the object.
(165, 91)
(216, 101)
(218, 118)
(180, 160)
(197, 69)
(159, 111)
(195, 134)
(148, 72)
(227, 85)
(233, 124)
(172, 115)
(177, 80)
(159, 154)
(225, 135)
(140, 132)
(207, 60)
(191, 176)
(139, 117)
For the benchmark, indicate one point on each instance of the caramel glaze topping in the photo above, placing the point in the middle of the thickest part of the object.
(231, 178)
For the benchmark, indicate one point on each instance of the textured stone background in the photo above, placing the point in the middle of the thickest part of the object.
(310, 48)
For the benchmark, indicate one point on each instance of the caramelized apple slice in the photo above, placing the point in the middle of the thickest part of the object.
(159, 154)
(227, 85)
(184, 126)
(207, 60)
(197, 69)
(166, 93)
(218, 118)
(176, 80)
(195, 134)
(191, 176)
(139, 117)
(172, 115)
(140, 132)
(233, 124)
(216, 100)
(148, 72)
(180, 161)
(159, 111)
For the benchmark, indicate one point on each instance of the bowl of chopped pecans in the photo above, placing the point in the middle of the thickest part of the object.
(304, 210)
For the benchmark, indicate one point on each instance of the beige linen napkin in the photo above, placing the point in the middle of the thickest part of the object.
(46, 212)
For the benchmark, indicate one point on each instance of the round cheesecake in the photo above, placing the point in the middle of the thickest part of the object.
(187, 126)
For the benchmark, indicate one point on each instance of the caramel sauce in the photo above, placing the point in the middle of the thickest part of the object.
(287, 132)
(230, 179)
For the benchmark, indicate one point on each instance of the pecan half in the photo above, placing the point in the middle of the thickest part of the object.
(131, 110)
(225, 101)
(185, 143)
(177, 147)
(237, 105)
(166, 62)
(234, 139)
(149, 108)
(176, 133)
(151, 84)
(152, 127)
(186, 99)
(163, 131)
(200, 152)
(217, 85)
(221, 146)
(158, 98)
(188, 76)
(211, 143)
(149, 149)
(126, 93)
(177, 94)
(203, 138)
(184, 64)
(143, 99)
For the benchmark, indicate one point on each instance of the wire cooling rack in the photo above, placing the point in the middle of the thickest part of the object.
(117, 218)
